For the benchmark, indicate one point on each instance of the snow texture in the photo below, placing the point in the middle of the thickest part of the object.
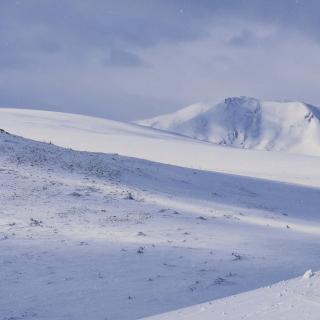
(297, 299)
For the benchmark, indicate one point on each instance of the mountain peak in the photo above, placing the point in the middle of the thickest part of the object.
(240, 100)
(247, 122)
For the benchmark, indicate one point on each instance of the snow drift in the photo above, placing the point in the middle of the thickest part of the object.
(294, 299)
(248, 123)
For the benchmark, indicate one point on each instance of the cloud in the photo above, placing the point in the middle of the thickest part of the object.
(122, 58)
(134, 59)
(245, 38)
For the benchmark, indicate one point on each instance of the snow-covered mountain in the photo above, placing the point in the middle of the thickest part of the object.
(248, 123)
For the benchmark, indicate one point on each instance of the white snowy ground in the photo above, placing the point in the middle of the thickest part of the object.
(295, 299)
(101, 135)
(96, 236)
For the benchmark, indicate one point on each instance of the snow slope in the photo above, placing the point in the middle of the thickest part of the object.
(297, 299)
(248, 123)
(100, 135)
(100, 236)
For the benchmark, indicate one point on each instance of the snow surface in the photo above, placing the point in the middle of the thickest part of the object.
(101, 236)
(105, 233)
(100, 135)
(248, 123)
(296, 299)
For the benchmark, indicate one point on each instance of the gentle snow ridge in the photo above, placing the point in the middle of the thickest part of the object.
(101, 135)
(248, 123)
(296, 299)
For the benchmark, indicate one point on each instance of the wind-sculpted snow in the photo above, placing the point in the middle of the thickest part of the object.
(248, 123)
(101, 236)
(295, 300)
(17, 151)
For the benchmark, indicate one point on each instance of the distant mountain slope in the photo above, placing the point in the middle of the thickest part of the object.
(248, 123)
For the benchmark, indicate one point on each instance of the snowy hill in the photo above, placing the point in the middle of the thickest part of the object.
(297, 299)
(102, 236)
(248, 123)
(101, 135)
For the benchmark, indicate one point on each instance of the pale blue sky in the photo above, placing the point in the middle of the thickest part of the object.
(138, 58)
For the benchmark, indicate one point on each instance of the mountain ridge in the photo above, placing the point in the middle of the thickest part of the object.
(248, 123)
